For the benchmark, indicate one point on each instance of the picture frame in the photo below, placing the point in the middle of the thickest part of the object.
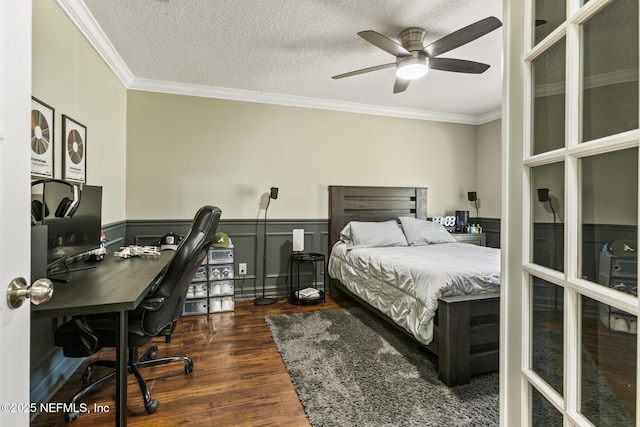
(74, 150)
(42, 139)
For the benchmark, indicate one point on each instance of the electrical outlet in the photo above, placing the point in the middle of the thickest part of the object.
(242, 269)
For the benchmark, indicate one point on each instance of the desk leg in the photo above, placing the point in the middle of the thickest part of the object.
(122, 369)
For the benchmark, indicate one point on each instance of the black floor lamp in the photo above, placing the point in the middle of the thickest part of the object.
(273, 194)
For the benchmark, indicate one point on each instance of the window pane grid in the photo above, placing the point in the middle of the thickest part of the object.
(582, 143)
(586, 288)
(609, 74)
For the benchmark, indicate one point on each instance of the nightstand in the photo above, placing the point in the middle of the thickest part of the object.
(479, 239)
(313, 261)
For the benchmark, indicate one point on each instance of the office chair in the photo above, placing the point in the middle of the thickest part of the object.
(83, 336)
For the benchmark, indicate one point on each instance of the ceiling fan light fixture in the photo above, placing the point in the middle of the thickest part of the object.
(413, 68)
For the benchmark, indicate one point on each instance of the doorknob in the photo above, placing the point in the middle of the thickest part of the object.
(40, 291)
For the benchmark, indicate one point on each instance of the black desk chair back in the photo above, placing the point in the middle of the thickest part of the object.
(158, 312)
(171, 290)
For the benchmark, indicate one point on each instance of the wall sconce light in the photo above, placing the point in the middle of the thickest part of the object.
(543, 196)
(473, 197)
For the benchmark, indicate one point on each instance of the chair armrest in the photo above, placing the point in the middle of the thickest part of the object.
(152, 304)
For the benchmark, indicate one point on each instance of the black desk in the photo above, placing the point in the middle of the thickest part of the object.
(116, 285)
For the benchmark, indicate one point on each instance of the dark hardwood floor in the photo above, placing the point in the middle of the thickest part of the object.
(239, 377)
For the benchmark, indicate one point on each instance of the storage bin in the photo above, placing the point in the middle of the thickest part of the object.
(220, 256)
(221, 304)
(201, 274)
(221, 288)
(220, 272)
(197, 290)
(195, 306)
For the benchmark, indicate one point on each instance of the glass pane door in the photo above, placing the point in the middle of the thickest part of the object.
(580, 226)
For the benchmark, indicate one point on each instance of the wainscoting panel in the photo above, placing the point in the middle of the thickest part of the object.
(549, 244)
(116, 233)
(548, 252)
(248, 238)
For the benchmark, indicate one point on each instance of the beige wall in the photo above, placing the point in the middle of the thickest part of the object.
(71, 77)
(162, 156)
(184, 151)
(489, 174)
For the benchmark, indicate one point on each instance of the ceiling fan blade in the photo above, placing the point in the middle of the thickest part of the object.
(400, 85)
(364, 70)
(462, 36)
(384, 43)
(458, 65)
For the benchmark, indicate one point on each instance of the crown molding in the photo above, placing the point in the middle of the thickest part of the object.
(88, 26)
(489, 117)
(590, 82)
(160, 86)
(86, 23)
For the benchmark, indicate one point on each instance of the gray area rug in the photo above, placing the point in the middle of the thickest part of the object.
(350, 368)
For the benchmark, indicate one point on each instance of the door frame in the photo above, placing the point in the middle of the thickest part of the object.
(15, 166)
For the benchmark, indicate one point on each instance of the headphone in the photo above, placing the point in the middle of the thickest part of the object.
(36, 211)
(66, 208)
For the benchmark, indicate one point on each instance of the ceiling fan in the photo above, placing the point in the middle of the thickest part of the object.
(414, 59)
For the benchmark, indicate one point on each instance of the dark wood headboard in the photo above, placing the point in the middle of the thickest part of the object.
(351, 203)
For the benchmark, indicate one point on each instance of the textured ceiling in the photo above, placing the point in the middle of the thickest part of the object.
(291, 48)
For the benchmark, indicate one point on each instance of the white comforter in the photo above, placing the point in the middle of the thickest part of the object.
(406, 282)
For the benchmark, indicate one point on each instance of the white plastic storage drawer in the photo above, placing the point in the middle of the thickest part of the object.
(221, 288)
(220, 256)
(201, 274)
(220, 304)
(220, 272)
(196, 306)
(197, 290)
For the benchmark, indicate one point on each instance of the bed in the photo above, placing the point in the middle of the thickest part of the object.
(458, 324)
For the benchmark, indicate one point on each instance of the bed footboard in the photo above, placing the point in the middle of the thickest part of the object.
(468, 337)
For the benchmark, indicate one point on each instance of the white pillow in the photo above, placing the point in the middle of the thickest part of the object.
(359, 234)
(420, 232)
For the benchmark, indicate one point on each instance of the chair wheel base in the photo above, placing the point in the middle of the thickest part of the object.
(152, 406)
(70, 416)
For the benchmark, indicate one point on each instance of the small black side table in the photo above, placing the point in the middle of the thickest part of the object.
(298, 260)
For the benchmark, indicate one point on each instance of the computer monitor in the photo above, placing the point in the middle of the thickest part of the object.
(73, 217)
